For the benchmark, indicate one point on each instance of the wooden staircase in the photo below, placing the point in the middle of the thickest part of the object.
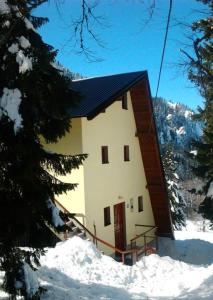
(74, 230)
(132, 253)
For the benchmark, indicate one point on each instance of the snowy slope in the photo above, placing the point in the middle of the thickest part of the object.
(176, 126)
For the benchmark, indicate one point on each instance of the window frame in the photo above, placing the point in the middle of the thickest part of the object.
(124, 101)
(140, 204)
(126, 153)
(105, 154)
(107, 216)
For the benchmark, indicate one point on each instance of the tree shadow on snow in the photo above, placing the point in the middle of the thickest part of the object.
(61, 287)
(193, 251)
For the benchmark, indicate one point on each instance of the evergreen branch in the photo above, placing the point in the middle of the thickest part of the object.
(62, 164)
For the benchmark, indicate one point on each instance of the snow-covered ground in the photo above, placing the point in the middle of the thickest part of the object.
(75, 270)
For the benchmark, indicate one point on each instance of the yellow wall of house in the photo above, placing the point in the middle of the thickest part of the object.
(102, 185)
(118, 181)
(71, 144)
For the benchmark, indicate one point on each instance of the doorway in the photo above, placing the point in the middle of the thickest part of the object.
(120, 225)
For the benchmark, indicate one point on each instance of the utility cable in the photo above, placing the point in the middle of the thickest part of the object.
(164, 47)
(162, 55)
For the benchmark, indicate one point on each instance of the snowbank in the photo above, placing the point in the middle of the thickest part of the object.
(75, 270)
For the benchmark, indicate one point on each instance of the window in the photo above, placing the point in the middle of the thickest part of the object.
(126, 153)
(140, 203)
(104, 154)
(107, 216)
(124, 101)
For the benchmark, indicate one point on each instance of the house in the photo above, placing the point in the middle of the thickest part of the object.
(121, 183)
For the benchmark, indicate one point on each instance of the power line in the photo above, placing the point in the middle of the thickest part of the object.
(164, 47)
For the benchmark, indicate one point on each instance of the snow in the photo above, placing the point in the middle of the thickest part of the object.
(172, 105)
(18, 284)
(181, 130)
(210, 190)
(9, 104)
(194, 152)
(6, 24)
(169, 117)
(188, 114)
(199, 187)
(25, 62)
(75, 270)
(24, 42)
(56, 219)
(4, 8)
(197, 225)
(31, 280)
(13, 48)
(29, 25)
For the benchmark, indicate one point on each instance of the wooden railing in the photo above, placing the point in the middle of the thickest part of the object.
(62, 208)
(147, 239)
(133, 251)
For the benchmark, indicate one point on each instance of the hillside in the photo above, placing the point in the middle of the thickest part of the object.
(176, 127)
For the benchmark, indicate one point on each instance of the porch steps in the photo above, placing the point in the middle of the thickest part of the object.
(74, 230)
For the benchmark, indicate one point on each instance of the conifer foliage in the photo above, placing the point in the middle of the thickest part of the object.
(177, 203)
(34, 100)
(200, 72)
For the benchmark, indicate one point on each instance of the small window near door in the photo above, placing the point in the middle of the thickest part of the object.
(140, 203)
(126, 153)
(124, 101)
(104, 154)
(107, 220)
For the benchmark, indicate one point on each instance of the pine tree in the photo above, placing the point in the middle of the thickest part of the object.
(177, 203)
(200, 72)
(34, 101)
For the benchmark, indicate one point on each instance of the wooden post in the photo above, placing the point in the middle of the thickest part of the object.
(123, 260)
(157, 245)
(145, 243)
(134, 257)
(96, 242)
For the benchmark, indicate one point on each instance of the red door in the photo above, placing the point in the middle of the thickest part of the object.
(120, 225)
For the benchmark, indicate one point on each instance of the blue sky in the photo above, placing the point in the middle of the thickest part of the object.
(128, 44)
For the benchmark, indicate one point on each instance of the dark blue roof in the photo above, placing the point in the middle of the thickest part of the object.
(99, 92)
